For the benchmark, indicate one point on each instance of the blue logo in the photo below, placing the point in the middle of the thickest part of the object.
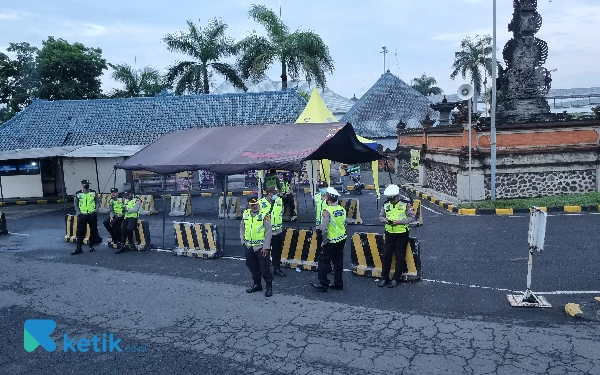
(36, 332)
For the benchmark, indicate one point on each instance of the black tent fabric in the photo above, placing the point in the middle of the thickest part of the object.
(235, 149)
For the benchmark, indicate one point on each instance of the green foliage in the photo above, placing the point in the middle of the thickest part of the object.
(596, 110)
(207, 46)
(474, 56)
(304, 94)
(584, 199)
(141, 82)
(426, 85)
(298, 52)
(69, 71)
(17, 81)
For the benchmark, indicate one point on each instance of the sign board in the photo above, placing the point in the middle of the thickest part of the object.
(537, 229)
(206, 179)
(250, 178)
(415, 159)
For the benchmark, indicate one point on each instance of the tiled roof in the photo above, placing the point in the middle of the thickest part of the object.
(377, 113)
(337, 104)
(574, 93)
(140, 121)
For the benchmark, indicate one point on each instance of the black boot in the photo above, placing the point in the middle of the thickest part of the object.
(120, 249)
(92, 249)
(269, 291)
(77, 251)
(254, 288)
(277, 271)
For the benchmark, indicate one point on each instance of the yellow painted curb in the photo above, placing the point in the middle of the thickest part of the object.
(21, 202)
(597, 299)
(370, 187)
(504, 211)
(61, 200)
(572, 208)
(42, 201)
(350, 187)
(247, 192)
(441, 203)
(185, 195)
(424, 196)
(466, 211)
(450, 207)
(2, 203)
(307, 190)
(206, 194)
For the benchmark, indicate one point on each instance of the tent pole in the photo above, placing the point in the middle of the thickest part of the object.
(1, 192)
(97, 177)
(224, 210)
(297, 200)
(62, 177)
(115, 180)
(164, 209)
(389, 172)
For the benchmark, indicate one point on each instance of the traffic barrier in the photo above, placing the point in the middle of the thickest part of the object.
(141, 237)
(287, 213)
(147, 206)
(352, 206)
(418, 210)
(230, 208)
(366, 253)
(3, 229)
(300, 249)
(181, 206)
(104, 204)
(71, 231)
(197, 240)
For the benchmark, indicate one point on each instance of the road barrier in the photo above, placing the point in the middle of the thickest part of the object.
(181, 205)
(197, 240)
(141, 237)
(147, 206)
(300, 249)
(230, 208)
(71, 231)
(352, 206)
(104, 207)
(3, 229)
(366, 253)
(418, 210)
(287, 213)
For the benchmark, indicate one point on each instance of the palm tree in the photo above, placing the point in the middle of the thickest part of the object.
(207, 46)
(426, 85)
(142, 82)
(475, 56)
(300, 51)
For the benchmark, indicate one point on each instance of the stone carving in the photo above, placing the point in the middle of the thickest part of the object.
(444, 108)
(406, 172)
(462, 117)
(538, 184)
(525, 82)
(441, 178)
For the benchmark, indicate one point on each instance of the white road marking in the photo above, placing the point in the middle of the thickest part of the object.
(429, 209)
(19, 234)
(570, 292)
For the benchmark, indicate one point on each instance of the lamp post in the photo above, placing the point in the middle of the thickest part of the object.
(384, 51)
(493, 115)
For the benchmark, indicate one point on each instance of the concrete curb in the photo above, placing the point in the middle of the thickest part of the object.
(497, 211)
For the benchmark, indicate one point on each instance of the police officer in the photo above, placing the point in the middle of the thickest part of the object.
(320, 203)
(271, 179)
(396, 215)
(273, 205)
(131, 210)
(86, 208)
(255, 235)
(115, 220)
(287, 195)
(333, 227)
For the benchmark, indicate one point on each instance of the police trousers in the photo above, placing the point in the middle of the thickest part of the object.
(395, 243)
(258, 265)
(114, 227)
(332, 253)
(129, 225)
(83, 220)
(276, 249)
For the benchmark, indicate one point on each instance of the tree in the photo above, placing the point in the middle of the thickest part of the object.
(69, 71)
(426, 85)
(207, 47)
(298, 51)
(474, 57)
(17, 81)
(141, 82)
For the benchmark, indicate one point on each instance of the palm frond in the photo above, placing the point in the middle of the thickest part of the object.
(256, 55)
(230, 74)
(276, 29)
(305, 51)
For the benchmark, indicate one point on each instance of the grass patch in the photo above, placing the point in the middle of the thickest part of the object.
(584, 199)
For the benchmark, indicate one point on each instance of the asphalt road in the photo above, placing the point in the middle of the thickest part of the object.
(194, 316)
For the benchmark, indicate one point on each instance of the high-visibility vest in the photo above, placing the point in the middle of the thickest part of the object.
(130, 203)
(285, 187)
(86, 201)
(271, 180)
(276, 211)
(254, 228)
(395, 212)
(320, 203)
(117, 205)
(336, 230)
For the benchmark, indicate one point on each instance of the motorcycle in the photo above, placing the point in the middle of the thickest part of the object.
(358, 186)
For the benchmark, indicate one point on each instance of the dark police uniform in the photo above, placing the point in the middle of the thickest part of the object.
(86, 207)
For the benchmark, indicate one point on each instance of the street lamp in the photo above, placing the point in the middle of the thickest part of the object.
(384, 51)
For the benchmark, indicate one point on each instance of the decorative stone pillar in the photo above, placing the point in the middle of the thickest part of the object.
(444, 108)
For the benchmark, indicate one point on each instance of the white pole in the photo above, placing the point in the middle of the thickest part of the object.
(527, 295)
(493, 120)
(470, 197)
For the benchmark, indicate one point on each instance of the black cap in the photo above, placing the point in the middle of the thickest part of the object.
(83, 182)
(253, 201)
(114, 190)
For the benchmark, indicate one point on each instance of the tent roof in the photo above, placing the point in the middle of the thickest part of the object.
(316, 111)
(232, 150)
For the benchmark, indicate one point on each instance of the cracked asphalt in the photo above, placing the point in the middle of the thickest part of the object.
(194, 316)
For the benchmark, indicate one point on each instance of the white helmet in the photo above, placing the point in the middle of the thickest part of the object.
(391, 191)
(331, 191)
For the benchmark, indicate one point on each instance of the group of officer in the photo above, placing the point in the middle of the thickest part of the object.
(121, 223)
(261, 235)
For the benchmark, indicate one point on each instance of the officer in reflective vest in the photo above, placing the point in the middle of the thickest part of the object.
(255, 235)
(273, 205)
(396, 215)
(287, 195)
(86, 208)
(320, 203)
(115, 216)
(271, 179)
(131, 211)
(333, 227)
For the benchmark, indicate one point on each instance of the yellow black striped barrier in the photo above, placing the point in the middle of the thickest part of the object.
(287, 213)
(141, 237)
(181, 205)
(71, 231)
(300, 249)
(418, 210)
(366, 253)
(3, 229)
(104, 204)
(147, 206)
(230, 208)
(197, 240)
(352, 206)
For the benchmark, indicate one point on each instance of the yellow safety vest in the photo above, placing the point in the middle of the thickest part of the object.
(395, 212)
(276, 212)
(285, 187)
(131, 204)
(336, 230)
(271, 180)
(320, 203)
(86, 201)
(254, 228)
(117, 205)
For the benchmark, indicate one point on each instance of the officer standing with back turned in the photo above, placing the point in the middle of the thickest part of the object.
(86, 206)
(115, 220)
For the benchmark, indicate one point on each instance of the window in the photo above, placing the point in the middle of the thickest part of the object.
(19, 167)
(29, 166)
(8, 168)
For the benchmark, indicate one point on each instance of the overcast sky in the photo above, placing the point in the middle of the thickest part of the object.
(421, 36)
